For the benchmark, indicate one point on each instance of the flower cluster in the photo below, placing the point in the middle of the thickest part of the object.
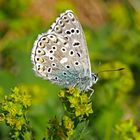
(77, 107)
(127, 130)
(60, 129)
(13, 110)
(76, 102)
(69, 125)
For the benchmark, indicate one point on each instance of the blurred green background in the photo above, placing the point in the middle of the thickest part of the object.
(112, 30)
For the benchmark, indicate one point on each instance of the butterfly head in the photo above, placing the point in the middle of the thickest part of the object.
(88, 82)
(94, 78)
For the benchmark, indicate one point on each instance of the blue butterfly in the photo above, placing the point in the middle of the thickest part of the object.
(61, 56)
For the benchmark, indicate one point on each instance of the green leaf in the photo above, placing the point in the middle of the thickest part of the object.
(80, 131)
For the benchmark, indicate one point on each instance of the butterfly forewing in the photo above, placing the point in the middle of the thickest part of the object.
(61, 55)
(70, 29)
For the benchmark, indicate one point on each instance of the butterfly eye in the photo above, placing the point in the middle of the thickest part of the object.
(94, 77)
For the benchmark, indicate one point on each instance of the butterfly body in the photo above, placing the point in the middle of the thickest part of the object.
(61, 54)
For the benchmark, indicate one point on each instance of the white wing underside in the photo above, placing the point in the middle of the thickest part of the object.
(61, 54)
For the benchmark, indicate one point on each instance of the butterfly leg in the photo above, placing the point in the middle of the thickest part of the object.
(92, 91)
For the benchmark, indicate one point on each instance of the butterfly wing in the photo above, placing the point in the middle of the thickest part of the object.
(61, 54)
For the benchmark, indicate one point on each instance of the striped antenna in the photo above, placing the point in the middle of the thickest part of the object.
(119, 69)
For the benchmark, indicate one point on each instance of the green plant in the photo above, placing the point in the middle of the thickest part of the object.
(14, 108)
(77, 106)
(127, 130)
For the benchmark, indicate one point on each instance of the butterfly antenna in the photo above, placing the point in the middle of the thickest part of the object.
(119, 69)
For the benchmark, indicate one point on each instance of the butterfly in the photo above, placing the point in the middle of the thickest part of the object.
(60, 55)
